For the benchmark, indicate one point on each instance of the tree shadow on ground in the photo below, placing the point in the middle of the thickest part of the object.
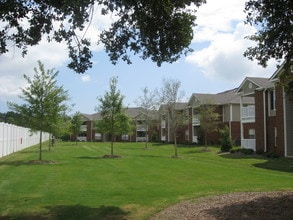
(278, 164)
(75, 212)
(269, 208)
(31, 162)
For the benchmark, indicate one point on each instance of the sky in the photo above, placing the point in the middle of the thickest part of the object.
(217, 63)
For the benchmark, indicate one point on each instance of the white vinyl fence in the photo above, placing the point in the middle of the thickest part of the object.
(14, 138)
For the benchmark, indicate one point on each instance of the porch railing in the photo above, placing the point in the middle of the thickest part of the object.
(248, 144)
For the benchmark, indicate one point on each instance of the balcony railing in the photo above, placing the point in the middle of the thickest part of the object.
(195, 121)
(141, 128)
(141, 139)
(83, 128)
(248, 144)
(163, 124)
(248, 113)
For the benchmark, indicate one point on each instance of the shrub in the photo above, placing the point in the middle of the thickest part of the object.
(247, 151)
(271, 154)
(226, 142)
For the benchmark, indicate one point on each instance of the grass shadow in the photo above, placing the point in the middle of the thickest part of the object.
(88, 158)
(75, 212)
(278, 164)
(31, 162)
(239, 156)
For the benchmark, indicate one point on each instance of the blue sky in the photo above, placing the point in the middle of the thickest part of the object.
(216, 65)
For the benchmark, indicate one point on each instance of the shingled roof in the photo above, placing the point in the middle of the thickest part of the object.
(222, 98)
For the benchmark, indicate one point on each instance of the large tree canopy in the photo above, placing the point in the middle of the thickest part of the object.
(157, 29)
(274, 22)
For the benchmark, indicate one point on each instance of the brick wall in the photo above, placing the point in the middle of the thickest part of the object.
(280, 121)
(259, 121)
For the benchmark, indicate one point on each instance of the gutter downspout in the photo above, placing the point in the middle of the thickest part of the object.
(230, 120)
(265, 121)
(241, 123)
(285, 123)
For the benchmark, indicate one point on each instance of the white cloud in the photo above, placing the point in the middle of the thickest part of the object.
(85, 78)
(14, 66)
(221, 26)
(53, 55)
(217, 16)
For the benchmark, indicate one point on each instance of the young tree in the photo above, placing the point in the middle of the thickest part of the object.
(148, 105)
(76, 122)
(209, 119)
(114, 121)
(161, 30)
(170, 97)
(44, 102)
(274, 38)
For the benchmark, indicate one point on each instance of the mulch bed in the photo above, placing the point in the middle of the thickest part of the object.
(41, 162)
(238, 206)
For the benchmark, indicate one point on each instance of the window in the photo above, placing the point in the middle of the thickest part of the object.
(251, 134)
(163, 132)
(272, 97)
(195, 111)
(275, 136)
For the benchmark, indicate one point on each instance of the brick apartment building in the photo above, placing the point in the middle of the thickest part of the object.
(267, 125)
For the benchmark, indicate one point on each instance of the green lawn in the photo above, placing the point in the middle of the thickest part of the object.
(83, 185)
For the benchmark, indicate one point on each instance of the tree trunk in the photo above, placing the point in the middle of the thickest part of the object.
(112, 143)
(40, 151)
(146, 140)
(175, 145)
(206, 140)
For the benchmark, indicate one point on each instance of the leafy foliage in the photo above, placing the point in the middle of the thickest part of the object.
(148, 105)
(226, 142)
(208, 118)
(158, 29)
(170, 96)
(44, 107)
(274, 36)
(76, 122)
(114, 121)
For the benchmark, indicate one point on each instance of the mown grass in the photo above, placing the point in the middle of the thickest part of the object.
(79, 184)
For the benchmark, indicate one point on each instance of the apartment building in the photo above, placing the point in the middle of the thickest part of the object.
(227, 105)
(267, 125)
(144, 127)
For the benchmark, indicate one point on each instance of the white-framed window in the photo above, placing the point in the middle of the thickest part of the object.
(251, 133)
(272, 100)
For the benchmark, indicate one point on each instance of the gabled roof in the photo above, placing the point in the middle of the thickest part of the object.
(252, 83)
(177, 106)
(222, 98)
(91, 117)
(132, 112)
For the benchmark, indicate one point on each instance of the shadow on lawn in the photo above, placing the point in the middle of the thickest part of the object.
(279, 164)
(31, 162)
(75, 212)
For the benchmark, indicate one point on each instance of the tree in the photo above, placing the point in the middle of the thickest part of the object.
(170, 96)
(148, 104)
(76, 122)
(44, 106)
(226, 142)
(208, 118)
(274, 38)
(157, 29)
(113, 120)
